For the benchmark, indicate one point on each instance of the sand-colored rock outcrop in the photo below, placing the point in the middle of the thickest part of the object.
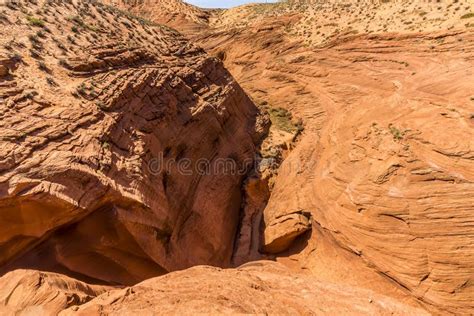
(29, 292)
(280, 233)
(256, 288)
(103, 122)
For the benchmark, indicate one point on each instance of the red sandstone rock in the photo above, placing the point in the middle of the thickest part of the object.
(385, 164)
(256, 288)
(85, 124)
(28, 292)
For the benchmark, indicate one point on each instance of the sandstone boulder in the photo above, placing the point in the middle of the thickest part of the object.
(282, 231)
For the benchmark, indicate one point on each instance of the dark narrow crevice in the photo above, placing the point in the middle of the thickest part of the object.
(256, 191)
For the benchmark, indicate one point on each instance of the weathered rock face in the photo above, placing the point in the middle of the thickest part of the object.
(384, 167)
(281, 231)
(257, 288)
(29, 292)
(87, 125)
(392, 175)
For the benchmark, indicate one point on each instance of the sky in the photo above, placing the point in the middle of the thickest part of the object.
(222, 3)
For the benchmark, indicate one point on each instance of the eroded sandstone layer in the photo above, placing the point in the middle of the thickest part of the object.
(94, 101)
(256, 288)
(28, 292)
(384, 168)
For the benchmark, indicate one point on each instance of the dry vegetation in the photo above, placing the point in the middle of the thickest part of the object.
(321, 22)
(49, 34)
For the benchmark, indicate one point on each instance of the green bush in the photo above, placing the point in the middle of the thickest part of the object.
(35, 21)
(283, 120)
(397, 133)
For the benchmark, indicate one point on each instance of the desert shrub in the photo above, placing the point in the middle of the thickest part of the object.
(35, 54)
(101, 105)
(77, 19)
(396, 133)
(81, 89)
(35, 21)
(64, 63)
(121, 13)
(51, 82)
(33, 38)
(42, 66)
(283, 120)
(468, 15)
(41, 34)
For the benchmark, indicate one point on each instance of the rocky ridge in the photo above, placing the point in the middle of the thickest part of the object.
(173, 13)
(319, 22)
(259, 287)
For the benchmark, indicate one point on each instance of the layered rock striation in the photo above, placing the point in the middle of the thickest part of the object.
(104, 118)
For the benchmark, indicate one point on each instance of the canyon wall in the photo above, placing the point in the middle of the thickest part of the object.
(101, 140)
